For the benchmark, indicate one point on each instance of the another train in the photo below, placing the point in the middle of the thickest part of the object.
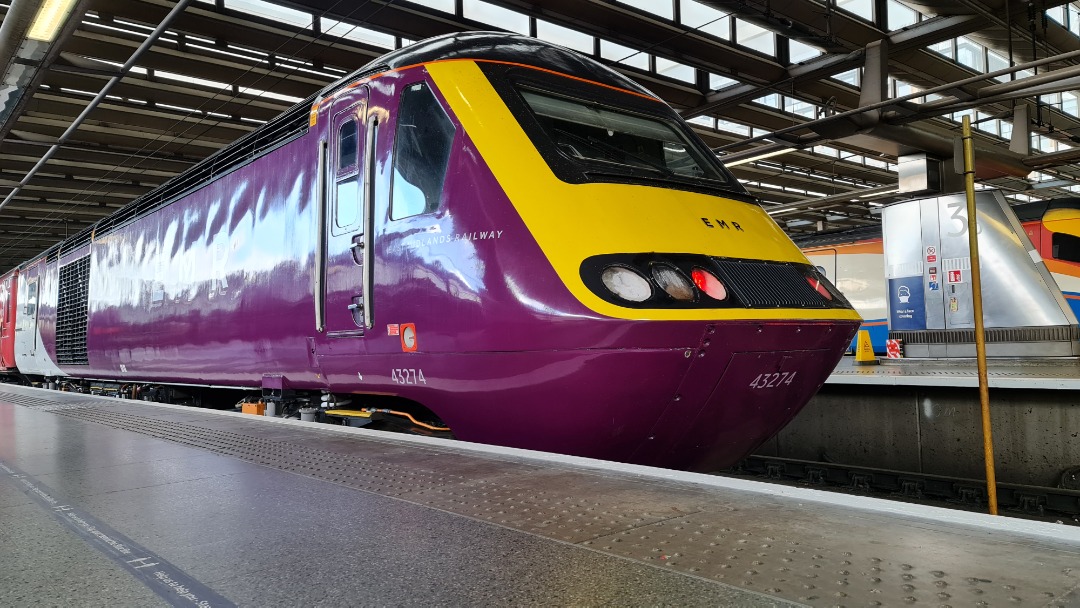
(490, 232)
(854, 260)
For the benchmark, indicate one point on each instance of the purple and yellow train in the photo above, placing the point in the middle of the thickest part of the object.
(493, 233)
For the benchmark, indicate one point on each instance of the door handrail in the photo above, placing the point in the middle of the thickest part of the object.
(369, 222)
(320, 240)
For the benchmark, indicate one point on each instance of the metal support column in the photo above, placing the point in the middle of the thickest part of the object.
(980, 331)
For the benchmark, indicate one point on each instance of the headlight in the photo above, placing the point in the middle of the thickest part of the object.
(673, 282)
(626, 283)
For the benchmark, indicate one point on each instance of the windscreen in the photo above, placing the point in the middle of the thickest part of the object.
(596, 134)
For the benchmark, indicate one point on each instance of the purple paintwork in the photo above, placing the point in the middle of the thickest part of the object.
(217, 288)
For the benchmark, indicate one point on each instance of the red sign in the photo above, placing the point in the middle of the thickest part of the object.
(408, 337)
(931, 258)
(956, 276)
(893, 349)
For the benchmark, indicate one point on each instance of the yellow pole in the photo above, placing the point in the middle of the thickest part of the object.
(976, 297)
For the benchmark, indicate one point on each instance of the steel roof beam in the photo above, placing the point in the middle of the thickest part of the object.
(113, 46)
(17, 19)
(907, 40)
(91, 207)
(137, 86)
(149, 42)
(52, 129)
(233, 27)
(93, 155)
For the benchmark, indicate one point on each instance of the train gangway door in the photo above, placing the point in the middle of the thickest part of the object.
(346, 238)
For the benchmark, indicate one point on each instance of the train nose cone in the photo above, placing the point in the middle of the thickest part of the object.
(732, 399)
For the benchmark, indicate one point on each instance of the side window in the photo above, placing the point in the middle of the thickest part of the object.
(1066, 247)
(347, 202)
(421, 153)
(31, 299)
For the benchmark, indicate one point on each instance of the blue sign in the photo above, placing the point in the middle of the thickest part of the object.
(907, 305)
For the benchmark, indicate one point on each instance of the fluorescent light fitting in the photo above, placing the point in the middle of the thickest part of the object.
(873, 194)
(50, 18)
(750, 159)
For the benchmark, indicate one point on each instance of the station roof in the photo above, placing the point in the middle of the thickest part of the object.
(767, 84)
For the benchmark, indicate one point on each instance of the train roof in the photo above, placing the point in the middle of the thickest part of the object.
(1030, 212)
(836, 237)
(490, 46)
(1027, 212)
(496, 46)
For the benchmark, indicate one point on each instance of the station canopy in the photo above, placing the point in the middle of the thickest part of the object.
(814, 104)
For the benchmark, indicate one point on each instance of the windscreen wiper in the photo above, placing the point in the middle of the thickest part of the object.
(613, 152)
(642, 159)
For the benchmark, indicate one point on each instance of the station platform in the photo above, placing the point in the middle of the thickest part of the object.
(112, 502)
(1051, 373)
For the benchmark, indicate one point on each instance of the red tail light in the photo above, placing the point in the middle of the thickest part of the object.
(820, 288)
(709, 284)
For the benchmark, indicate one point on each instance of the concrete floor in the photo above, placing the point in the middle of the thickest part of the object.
(104, 502)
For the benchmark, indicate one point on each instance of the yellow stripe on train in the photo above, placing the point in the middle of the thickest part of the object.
(572, 222)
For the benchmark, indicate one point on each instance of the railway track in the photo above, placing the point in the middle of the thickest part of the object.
(1060, 504)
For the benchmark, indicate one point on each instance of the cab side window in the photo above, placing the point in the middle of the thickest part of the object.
(1066, 247)
(422, 144)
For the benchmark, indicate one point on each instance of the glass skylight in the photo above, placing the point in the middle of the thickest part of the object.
(500, 17)
(754, 37)
(623, 54)
(353, 31)
(269, 10)
(571, 39)
(707, 19)
(661, 8)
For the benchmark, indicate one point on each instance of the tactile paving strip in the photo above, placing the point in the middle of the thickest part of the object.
(919, 373)
(562, 516)
(329, 466)
(48, 405)
(570, 515)
(820, 572)
(778, 551)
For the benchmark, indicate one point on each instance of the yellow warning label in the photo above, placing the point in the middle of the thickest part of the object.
(864, 351)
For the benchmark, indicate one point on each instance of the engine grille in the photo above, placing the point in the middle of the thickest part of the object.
(769, 284)
(71, 312)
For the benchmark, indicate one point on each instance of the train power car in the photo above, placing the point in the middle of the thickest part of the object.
(854, 259)
(493, 233)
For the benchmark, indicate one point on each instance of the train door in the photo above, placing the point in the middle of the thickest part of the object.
(347, 304)
(26, 324)
(30, 311)
(8, 290)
